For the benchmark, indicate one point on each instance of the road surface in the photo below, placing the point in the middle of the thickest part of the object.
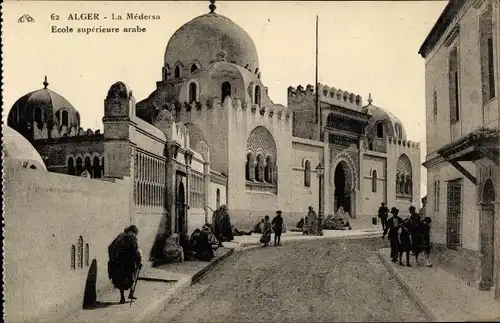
(306, 281)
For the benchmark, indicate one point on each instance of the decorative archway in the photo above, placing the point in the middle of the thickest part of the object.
(343, 179)
(487, 234)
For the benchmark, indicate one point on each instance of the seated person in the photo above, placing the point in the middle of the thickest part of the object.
(207, 228)
(200, 246)
(258, 227)
(173, 252)
(237, 232)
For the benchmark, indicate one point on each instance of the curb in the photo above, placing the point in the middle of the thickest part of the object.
(152, 311)
(245, 245)
(409, 291)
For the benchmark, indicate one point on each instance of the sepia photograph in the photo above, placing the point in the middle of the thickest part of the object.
(251, 161)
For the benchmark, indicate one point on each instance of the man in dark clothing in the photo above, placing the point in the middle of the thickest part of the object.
(414, 216)
(200, 246)
(404, 242)
(124, 260)
(391, 229)
(383, 213)
(277, 224)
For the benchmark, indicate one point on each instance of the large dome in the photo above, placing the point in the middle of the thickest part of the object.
(392, 125)
(19, 151)
(201, 39)
(42, 106)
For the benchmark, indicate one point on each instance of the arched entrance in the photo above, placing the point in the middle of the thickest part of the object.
(343, 188)
(181, 209)
(487, 231)
(226, 90)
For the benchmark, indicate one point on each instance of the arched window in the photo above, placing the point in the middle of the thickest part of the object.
(404, 183)
(87, 254)
(88, 165)
(38, 117)
(226, 90)
(249, 168)
(307, 174)
(80, 252)
(374, 181)
(65, 118)
(177, 72)
(259, 168)
(192, 92)
(79, 166)
(32, 167)
(73, 257)
(71, 166)
(380, 130)
(217, 199)
(268, 171)
(96, 168)
(193, 68)
(257, 93)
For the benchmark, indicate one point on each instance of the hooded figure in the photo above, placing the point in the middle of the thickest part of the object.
(124, 260)
(222, 225)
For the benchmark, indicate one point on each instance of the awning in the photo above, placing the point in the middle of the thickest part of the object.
(479, 144)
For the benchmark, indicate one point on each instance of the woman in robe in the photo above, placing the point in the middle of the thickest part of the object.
(173, 250)
(266, 231)
(226, 230)
(124, 260)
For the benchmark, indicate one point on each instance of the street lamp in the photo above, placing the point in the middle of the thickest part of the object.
(320, 172)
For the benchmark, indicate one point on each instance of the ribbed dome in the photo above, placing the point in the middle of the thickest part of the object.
(42, 106)
(201, 39)
(19, 150)
(392, 123)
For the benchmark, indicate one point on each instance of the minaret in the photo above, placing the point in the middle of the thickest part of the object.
(212, 6)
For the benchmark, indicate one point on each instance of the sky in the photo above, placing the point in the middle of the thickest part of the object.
(364, 47)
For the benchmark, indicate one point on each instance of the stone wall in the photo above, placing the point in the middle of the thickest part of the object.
(46, 215)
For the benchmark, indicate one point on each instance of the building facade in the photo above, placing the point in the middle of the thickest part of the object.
(462, 85)
(263, 155)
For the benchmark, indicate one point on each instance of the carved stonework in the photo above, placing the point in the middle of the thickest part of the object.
(352, 160)
(173, 149)
(342, 141)
(188, 157)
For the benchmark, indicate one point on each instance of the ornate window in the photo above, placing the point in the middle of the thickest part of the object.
(453, 78)
(71, 166)
(380, 129)
(404, 182)
(80, 252)
(193, 68)
(38, 117)
(73, 257)
(87, 250)
(192, 92)
(65, 118)
(399, 131)
(486, 52)
(197, 190)
(260, 169)
(225, 90)
(257, 95)
(307, 173)
(177, 72)
(78, 166)
(454, 214)
(374, 181)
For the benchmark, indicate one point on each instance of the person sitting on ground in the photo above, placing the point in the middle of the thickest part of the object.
(185, 245)
(173, 251)
(200, 246)
(339, 221)
(404, 245)
(258, 227)
(266, 231)
(207, 228)
(239, 233)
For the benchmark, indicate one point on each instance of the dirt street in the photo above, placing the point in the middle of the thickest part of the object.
(313, 281)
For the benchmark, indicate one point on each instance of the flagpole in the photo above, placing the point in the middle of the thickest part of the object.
(318, 118)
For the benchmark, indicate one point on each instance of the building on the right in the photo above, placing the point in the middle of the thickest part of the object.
(462, 80)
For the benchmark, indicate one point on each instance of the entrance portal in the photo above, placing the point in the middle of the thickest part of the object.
(487, 231)
(342, 182)
(181, 209)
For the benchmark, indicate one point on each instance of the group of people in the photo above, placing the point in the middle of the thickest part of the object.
(411, 235)
(266, 228)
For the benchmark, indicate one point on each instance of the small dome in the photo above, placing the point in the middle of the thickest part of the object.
(393, 127)
(20, 151)
(205, 37)
(42, 106)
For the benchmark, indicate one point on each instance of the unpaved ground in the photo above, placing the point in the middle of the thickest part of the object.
(307, 281)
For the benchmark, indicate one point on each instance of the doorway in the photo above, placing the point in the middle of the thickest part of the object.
(226, 91)
(342, 180)
(181, 209)
(487, 232)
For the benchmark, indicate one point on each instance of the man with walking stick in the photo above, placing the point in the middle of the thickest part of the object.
(125, 262)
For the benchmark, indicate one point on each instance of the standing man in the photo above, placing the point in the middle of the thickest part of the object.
(383, 213)
(278, 227)
(124, 261)
(426, 232)
(392, 228)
